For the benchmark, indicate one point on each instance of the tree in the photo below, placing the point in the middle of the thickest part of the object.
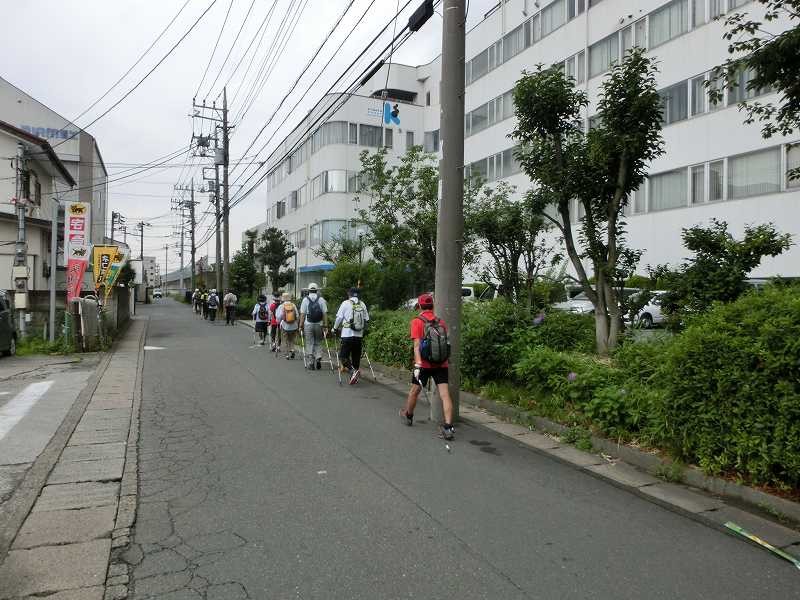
(274, 251)
(510, 232)
(598, 169)
(243, 272)
(717, 271)
(339, 248)
(761, 60)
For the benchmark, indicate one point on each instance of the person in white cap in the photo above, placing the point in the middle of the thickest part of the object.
(313, 321)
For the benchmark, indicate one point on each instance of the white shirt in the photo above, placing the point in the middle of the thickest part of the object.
(307, 300)
(280, 314)
(255, 313)
(230, 299)
(345, 315)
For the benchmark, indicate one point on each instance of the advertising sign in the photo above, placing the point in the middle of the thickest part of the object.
(77, 220)
(101, 261)
(116, 262)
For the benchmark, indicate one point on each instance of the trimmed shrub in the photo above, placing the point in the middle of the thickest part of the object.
(732, 389)
(387, 339)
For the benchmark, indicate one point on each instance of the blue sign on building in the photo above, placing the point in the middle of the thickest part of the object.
(391, 114)
(49, 133)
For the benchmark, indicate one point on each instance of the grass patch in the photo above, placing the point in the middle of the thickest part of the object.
(33, 345)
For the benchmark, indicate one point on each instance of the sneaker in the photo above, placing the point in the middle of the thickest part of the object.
(319, 364)
(407, 418)
(291, 355)
(448, 432)
(261, 342)
(355, 376)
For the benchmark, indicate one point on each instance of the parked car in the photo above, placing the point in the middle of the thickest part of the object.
(467, 295)
(157, 293)
(650, 314)
(8, 331)
(581, 304)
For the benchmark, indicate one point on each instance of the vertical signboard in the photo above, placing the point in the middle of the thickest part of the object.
(77, 221)
(117, 261)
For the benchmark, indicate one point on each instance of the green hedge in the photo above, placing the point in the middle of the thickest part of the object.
(724, 394)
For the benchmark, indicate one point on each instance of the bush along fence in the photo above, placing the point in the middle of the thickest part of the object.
(723, 395)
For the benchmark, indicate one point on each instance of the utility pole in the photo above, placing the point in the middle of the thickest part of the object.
(190, 204)
(20, 271)
(450, 227)
(218, 217)
(113, 222)
(166, 267)
(192, 223)
(53, 265)
(225, 207)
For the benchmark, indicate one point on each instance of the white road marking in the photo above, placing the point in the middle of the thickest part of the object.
(19, 406)
(154, 348)
(4, 393)
(322, 472)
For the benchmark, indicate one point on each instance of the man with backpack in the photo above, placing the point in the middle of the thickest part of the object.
(229, 303)
(352, 317)
(213, 305)
(204, 303)
(273, 322)
(431, 351)
(262, 318)
(313, 320)
(288, 321)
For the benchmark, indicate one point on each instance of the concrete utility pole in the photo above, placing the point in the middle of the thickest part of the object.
(166, 267)
(192, 223)
(218, 217)
(190, 205)
(53, 266)
(225, 195)
(450, 228)
(20, 271)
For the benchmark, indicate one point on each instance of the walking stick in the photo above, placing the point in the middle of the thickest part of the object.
(369, 362)
(328, 348)
(303, 345)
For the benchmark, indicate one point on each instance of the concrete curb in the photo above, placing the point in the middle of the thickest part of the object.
(22, 500)
(630, 469)
(118, 575)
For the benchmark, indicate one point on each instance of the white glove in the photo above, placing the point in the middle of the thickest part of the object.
(417, 372)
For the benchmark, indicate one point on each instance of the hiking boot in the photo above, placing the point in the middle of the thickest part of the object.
(448, 432)
(319, 364)
(355, 376)
(407, 418)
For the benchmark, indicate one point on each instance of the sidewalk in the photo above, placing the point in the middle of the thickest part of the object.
(88, 502)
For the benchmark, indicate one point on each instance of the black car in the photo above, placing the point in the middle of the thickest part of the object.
(8, 331)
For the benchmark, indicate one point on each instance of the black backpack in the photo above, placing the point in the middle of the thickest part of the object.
(263, 313)
(314, 314)
(434, 346)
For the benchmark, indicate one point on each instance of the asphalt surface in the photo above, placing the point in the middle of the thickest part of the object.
(261, 480)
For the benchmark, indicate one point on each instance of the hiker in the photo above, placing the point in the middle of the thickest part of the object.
(288, 318)
(262, 318)
(204, 303)
(313, 322)
(431, 351)
(229, 302)
(196, 300)
(213, 304)
(273, 322)
(352, 317)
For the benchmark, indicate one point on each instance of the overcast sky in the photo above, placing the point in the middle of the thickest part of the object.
(67, 53)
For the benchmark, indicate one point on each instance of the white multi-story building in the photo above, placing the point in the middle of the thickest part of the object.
(714, 165)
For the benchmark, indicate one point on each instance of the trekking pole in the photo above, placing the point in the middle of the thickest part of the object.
(338, 361)
(303, 346)
(327, 348)
(369, 362)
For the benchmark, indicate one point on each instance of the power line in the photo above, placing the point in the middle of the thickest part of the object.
(142, 80)
(138, 60)
(214, 51)
(233, 45)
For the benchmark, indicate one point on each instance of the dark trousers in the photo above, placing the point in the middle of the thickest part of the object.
(230, 315)
(350, 352)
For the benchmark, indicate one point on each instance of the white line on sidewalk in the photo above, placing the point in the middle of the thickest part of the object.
(16, 408)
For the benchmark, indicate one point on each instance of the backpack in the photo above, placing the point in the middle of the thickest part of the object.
(357, 321)
(289, 312)
(314, 311)
(434, 346)
(273, 309)
(212, 301)
(263, 313)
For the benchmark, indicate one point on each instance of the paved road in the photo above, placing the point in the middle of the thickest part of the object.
(36, 392)
(261, 480)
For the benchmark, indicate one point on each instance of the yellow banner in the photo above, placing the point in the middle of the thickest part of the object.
(118, 260)
(102, 257)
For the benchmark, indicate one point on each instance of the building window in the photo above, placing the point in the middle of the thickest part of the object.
(294, 203)
(333, 229)
(699, 95)
(316, 234)
(388, 138)
(668, 190)
(716, 8)
(370, 135)
(353, 184)
(603, 54)
(754, 174)
(553, 16)
(740, 93)
(698, 184)
(300, 237)
(431, 141)
(675, 102)
(409, 139)
(792, 162)
(698, 13)
(427, 98)
(335, 181)
(637, 200)
(513, 43)
(280, 209)
(716, 178)
(353, 137)
(669, 22)
(640, 33)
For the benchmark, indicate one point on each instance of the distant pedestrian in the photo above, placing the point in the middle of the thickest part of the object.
(352, 317)
(204, 303)
(229, 303)
(288, 320)
(431, 351)
(196, 301)
(213, 305)
(313, 322)
(261, 316)
(275, 331)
